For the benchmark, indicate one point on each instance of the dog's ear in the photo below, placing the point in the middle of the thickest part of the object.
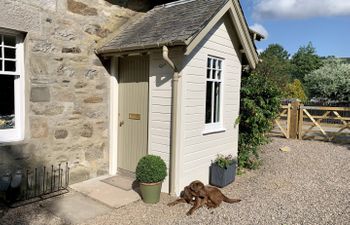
(182, 193)
(196, 186)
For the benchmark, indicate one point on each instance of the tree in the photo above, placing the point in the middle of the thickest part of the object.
(295, 90)
(304, 61)
(275, 65)
(331, 81)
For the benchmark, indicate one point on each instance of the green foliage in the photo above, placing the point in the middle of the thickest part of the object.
(295, 90)
(224, 161)
(331, 81)
(304, 61)
(151, 169)
(275, 65)
(260, 103)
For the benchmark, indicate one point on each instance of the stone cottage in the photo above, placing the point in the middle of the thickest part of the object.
(100, 83)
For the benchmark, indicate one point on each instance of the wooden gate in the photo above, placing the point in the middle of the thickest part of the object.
(314, 122)
(282, 121)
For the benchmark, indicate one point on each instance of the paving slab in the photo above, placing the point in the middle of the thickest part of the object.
(105, 193)
(75, 208)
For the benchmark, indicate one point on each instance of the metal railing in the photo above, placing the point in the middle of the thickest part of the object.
(35, 185)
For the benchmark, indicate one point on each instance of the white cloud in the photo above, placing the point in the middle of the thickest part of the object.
(260, 50)
(299, 9)
(260, 29)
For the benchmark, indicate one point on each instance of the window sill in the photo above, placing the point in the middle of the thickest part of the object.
(14, 142)
(213, 130)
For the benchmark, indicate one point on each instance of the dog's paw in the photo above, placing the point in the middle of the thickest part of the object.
(188, 213)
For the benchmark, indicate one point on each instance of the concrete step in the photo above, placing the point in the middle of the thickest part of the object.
(107, 194)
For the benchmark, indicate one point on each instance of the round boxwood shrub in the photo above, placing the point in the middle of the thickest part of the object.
(151, 169)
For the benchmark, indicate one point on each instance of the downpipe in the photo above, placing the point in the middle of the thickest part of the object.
(174, 118)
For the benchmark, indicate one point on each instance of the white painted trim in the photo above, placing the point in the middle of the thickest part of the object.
(17, 134)
(113, 117)
(218, 126)
(239, 23)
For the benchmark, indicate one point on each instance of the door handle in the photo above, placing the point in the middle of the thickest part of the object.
(121, 123)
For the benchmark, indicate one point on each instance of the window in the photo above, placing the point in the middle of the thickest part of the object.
(213, 104)
(11, 86)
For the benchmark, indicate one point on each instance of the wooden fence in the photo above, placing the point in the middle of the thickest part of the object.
(298, 121)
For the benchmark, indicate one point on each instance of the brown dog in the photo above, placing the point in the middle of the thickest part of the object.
(188, 196)
(212, 196)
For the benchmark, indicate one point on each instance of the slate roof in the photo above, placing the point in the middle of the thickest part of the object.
(169, 24)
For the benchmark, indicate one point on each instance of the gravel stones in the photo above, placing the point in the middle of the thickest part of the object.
(308, 185)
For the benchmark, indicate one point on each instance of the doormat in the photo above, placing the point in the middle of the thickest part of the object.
(125, 183)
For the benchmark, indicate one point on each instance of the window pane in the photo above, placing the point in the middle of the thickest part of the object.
(0, 52)
(217, 102)
(7, 102)
(10, 53)
(218, 75)
(213, 74)
(214, 63)
(10, 66)
(219, 64)
(209, 63)
(10, 40)
(208, 103)
(208, 73)
(0, 65)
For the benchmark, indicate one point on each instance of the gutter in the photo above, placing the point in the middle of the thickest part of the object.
(174, 121)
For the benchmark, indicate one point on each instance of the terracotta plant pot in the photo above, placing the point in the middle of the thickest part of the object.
(221, 177)
(150, 192)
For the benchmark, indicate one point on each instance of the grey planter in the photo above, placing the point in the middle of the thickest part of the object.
(221, 177)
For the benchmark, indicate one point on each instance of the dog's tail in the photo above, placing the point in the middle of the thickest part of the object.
(230, 200)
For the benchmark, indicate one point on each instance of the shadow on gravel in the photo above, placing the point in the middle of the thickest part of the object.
(343, 145)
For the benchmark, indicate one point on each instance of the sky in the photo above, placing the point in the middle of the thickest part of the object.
(295, 23)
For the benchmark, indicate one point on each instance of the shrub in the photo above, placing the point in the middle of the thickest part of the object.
(224, 161)
(295, 90)
(331, 81)
(260, 104)
(151, 169)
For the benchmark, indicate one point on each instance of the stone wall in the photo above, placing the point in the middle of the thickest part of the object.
(67, 89)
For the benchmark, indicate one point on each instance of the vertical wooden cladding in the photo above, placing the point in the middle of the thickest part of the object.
(133, 100)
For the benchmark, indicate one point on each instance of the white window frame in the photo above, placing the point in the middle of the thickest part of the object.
(213, 127)
(16, 133)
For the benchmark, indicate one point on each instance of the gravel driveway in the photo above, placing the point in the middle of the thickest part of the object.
(310, 184)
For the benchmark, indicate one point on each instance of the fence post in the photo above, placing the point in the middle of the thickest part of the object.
(293, 120)
(301, 121)
(288, 119)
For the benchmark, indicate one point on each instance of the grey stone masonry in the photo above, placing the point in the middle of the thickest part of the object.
(67, 87)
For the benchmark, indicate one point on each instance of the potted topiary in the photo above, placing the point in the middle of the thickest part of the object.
(222, 171)
(150, 173)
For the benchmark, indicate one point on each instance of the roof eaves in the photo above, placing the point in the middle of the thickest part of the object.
(250, 49)
(194, 40)
(140, 47)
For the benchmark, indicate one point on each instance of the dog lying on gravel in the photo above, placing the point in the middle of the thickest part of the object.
(211, 195)
(198, 195)
(188, 196)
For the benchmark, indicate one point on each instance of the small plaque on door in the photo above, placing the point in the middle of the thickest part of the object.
(134, 116)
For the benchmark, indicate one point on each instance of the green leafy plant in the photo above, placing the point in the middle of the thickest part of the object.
(151, 169)
(260, 103)
(224, 161)
(295, 90)
(331, 81)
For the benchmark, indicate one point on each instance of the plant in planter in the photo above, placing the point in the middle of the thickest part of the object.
(151, 172)
(222, 171)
